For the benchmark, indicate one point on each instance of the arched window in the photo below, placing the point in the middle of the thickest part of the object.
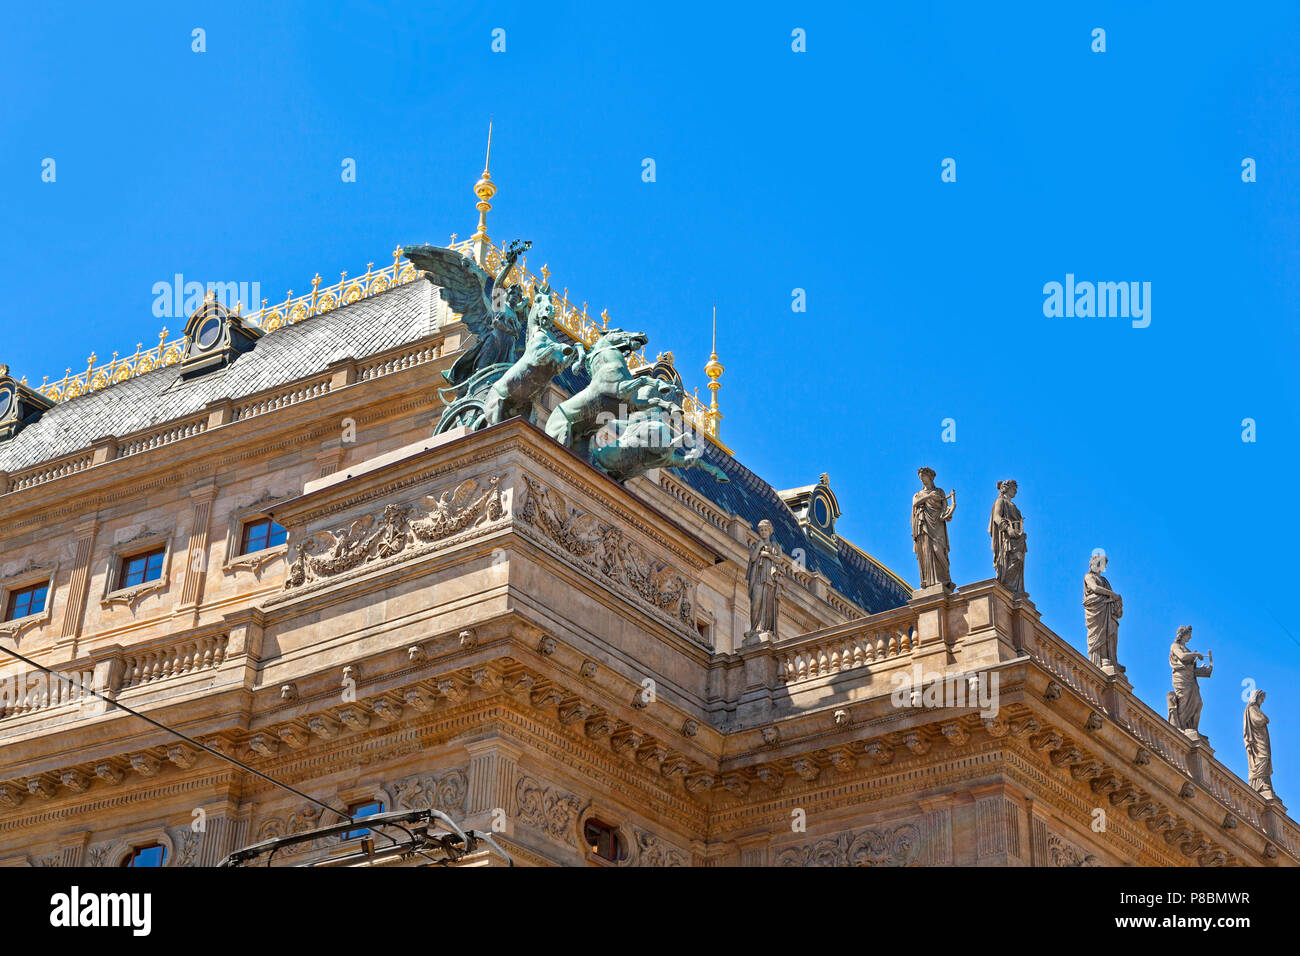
(151, 854)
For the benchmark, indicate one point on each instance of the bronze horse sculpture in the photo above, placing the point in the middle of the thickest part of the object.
(613, 393)
(514, 393)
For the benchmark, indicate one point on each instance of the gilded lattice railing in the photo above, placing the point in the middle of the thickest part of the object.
(294, 309)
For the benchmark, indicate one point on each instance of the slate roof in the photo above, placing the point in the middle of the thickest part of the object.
(364, 328)
(402, 314)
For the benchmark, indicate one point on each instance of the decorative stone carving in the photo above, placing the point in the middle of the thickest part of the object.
(606, 551)
(75, 780)
(771, 736)
(1102, 609)
(399, 528)
(468, 639)
(288, 691)
(805, 768)
(1093, 722)
(916, 742)
(40, 787)
(446, 792)
(11, 797)
(931, 513)
(771, 776)
(305, 818)
(588, 669)
(1061, 853)
(323, 727)
(897, 846)
(1052, 691)
(355, 717)
(548, 809)
(841, 718)
(417, 699)
(264, 744)
(879, 751)
(690, 728)
(1187, 791)
(599, 726)
(386, 709)
(97, 855)
(572, 712)
(735, 784)
(182, 756)
(415, 653)
(674, 767)
(144, 765)
(109, 774)
(1185, 702)
(700, 782)
(762, 575)
(1259, 750)
(842, 759)
(547, 646)
(626, 741)
(652, 851)
(294, 737)
(955, 733)
(1142, 757)
(996, 727)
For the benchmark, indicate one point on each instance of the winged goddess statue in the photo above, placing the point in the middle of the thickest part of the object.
(488, 307)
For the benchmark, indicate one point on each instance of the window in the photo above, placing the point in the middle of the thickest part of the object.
(603, 840)
(154, 854)
(141, 568)
(359, 810)
(26, 601)
(260, 534)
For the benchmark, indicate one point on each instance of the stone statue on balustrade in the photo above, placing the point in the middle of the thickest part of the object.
(1259, 752)
(1007, 529)
(931, 512)
(1102, 609)
(762, 576)
(1185, 699)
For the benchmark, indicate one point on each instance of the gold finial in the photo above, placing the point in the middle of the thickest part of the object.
(604, 318)
(484, 189)
(546, 274)
(714, 370)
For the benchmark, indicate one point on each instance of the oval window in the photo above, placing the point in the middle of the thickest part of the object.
(6, 401)
(208, 332)
(821, 512)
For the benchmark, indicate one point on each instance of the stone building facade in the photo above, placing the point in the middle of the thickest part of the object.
(489, 626)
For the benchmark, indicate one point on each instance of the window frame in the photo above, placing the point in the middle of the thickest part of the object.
(249, 522)
(235, 560)
(135, 849)
(29, 576)
(117, 592)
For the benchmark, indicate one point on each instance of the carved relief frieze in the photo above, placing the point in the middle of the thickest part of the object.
(653, 851)
(894, 846)
(605, 551)
(431, 791)
(404, 530)
(548, 809)
(1063, 853)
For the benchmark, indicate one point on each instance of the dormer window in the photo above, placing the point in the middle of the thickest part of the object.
(20, 405)
(215, 338)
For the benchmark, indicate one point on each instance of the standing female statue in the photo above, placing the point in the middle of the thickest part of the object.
(761, 576)
(1259, 752)
(1007, 529)
(930, 516)
(1102, 609)
(1182, 662)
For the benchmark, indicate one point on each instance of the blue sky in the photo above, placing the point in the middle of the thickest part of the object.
(775, 171)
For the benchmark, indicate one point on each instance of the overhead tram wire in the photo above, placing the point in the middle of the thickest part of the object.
(171, 730)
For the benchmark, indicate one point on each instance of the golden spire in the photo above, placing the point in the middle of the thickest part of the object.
(714, 371)
(484, 189)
